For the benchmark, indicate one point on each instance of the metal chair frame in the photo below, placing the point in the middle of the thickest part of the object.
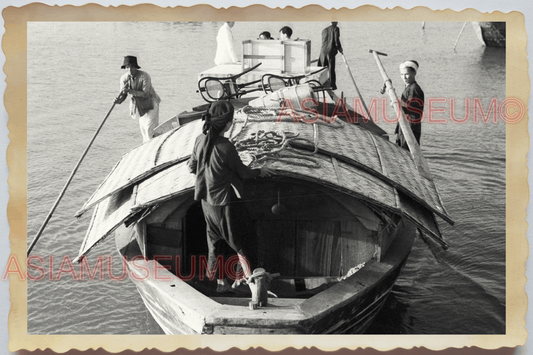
(228, 86)
(293, 80)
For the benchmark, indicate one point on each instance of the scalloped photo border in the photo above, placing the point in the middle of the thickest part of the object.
(517, 190)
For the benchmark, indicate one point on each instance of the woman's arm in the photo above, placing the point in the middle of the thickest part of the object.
(193, 160)
(234, 162)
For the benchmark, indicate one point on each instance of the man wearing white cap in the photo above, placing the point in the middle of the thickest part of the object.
(412, 102)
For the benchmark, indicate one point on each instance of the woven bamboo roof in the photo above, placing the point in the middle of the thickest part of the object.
(341, 156)
(348, 143)
(145, 160)
(121, 206)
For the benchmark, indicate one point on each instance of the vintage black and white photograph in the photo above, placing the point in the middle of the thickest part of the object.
(245, 177)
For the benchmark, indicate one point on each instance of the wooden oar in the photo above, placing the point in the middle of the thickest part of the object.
(355, 85)
(36, 238)
(414, 148)
(460, 33)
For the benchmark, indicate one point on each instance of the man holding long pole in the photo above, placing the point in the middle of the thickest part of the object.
(144, 104)
(412, 102)
(412, 143)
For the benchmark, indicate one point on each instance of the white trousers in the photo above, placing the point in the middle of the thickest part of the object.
(148, 122)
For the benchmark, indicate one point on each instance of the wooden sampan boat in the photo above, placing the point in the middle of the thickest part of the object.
(349, 204)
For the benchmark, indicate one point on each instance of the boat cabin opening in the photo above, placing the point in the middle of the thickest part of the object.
(311, 235)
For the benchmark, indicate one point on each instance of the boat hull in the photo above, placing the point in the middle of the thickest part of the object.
(349, 307)
(491, 34)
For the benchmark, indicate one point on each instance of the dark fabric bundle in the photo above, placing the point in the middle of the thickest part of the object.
(218, 115)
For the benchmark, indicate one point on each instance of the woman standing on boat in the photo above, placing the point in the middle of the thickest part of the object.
(219, 172)
(412, 102)
(144, 103)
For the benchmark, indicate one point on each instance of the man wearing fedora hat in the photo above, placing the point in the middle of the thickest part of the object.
(144, 103)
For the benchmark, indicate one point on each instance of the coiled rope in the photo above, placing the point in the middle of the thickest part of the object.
(277, 145)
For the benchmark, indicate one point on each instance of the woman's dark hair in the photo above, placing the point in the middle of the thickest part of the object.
(216, 118)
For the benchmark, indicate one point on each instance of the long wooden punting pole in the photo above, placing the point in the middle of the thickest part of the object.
(414, 148)
(36, 238)
(460, 33)
(356, 88)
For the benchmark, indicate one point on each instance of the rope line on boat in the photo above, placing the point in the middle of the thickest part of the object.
(268, 145)
(286, 156)
(286, 115)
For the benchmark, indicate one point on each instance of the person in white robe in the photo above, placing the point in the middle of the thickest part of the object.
(225, 47)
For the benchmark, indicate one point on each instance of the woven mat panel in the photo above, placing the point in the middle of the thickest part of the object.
(346, 142)
(354, 143)
(349, 179)
(180, 144)
(147, 159)
(107, 216)
(401, 169)
(371, 186)
(421, 216)
(115, 209)
(165, 184)
(335, 137)
(428, 190)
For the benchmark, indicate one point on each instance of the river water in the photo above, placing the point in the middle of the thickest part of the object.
(73, 76)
